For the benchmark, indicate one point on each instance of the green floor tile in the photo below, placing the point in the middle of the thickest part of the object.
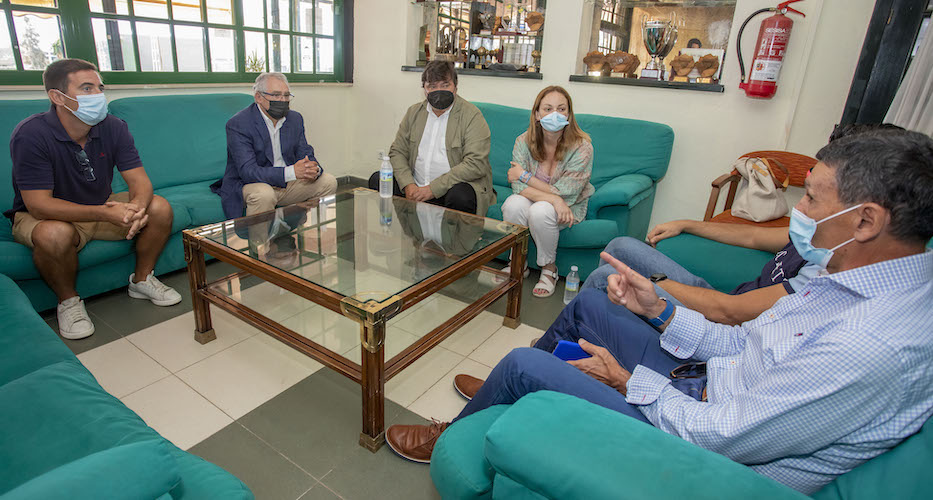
(319, 492)
(103, 334)
(537, 312)
(266, 472)
(384, 475)
(316, 423)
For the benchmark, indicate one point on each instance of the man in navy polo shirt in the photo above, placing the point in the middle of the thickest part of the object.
(63, 163)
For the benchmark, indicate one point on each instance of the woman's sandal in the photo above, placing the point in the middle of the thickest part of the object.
(508, 270)
(546, 285)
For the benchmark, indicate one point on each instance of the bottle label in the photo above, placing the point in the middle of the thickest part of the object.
(385, 175)
(573, 286)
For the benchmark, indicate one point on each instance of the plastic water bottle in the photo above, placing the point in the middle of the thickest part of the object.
(385, 213)
(385, 177)
(571, 285)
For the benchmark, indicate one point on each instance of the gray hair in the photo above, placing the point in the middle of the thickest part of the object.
(891, 168)
(260, 85)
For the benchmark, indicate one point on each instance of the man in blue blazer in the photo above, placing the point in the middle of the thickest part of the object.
(269, 161)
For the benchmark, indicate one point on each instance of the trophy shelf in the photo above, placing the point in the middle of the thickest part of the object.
(646, 82)
(526, 75)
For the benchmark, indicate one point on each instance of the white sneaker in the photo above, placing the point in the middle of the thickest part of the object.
(73, 321)
(157, 292)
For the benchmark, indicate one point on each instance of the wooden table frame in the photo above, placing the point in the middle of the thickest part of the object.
(372, 315)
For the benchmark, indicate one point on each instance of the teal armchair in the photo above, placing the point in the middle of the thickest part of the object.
(550, 445)
(630, 157)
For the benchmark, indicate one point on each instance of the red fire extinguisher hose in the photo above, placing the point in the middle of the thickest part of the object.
(738, 40)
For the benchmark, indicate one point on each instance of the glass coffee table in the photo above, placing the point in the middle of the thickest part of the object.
(367, 258)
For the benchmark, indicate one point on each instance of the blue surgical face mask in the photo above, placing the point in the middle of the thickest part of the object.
(92, 108)
(802, 229)
(554, 122)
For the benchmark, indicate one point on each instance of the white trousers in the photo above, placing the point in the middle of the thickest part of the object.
(541, 219)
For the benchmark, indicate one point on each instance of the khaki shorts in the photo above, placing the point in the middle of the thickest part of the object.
(24, 224)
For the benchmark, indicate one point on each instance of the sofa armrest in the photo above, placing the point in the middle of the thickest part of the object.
(626, 189)
(560, 446)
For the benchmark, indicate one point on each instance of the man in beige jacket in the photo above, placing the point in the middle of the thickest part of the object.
(441, 151)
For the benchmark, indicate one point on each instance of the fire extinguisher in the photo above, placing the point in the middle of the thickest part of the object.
(769, 51)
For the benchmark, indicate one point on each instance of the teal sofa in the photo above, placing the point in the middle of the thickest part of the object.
(182, 154)
(631, 156)
(63, 436)
(550, 445)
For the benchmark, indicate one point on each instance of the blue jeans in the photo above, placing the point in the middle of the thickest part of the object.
(644, 260)
(592, 317)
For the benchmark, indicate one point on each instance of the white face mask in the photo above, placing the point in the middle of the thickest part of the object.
(92, 108)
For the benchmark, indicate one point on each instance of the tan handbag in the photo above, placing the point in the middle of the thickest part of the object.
(758, 198)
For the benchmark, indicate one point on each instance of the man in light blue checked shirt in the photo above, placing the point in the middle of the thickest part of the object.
(823, 381)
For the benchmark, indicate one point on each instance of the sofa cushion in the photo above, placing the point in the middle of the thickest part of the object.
(202, 205)
(591, 233)
(561, 446)
(903, 472)
(58, 414)
(137, 470)
(705, 258)
(27, 342)
(458, 466)
(503, 487)
(178, 146)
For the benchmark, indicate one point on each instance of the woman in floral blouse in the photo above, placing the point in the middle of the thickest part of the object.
(550, 175)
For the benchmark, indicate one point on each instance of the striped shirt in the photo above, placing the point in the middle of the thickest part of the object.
(828, 378)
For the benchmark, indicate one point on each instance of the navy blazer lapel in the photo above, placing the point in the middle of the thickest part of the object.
(263, 131)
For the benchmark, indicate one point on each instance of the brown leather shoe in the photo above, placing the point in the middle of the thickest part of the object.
(534, 341)
(467, 386)
(415, 442)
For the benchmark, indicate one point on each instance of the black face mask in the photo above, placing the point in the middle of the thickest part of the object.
(277, 109)
(440, 99)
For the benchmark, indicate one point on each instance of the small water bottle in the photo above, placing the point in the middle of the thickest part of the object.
(571, 285)
(385, 212)
(385, 177)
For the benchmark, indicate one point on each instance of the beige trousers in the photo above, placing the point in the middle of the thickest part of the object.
(261, 197)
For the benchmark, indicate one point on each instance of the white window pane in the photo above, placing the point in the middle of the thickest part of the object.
(304, 15)
(155, 47)
(219, 11)
(255, 52)
(324, 17)
(223, 53)
(39, 37)
(186, 10)
(277, 14)
(253, 14)
(325, 55)
(36, 3)
(280, 54)
(113, 41)
(109, 6)
(150, 8)
(189, 45)
(7, 61)
(305, 47)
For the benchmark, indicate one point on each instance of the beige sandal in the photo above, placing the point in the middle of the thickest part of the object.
(546, 285)
(508, 270)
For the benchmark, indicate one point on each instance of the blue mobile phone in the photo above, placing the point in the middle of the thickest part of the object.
(569, 351)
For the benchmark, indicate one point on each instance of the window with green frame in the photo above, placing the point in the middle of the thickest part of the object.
(175, 41)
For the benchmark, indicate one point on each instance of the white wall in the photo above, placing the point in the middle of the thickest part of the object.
(711, 129)
(348, 124)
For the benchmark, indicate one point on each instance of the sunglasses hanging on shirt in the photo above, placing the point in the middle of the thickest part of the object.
(85, 163)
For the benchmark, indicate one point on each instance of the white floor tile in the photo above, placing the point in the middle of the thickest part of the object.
(503, 341)
(442, 401)
(177, 412)
(429, 316)
(417, 378)
(172, 343)
(242, 377)
(272, 301)
(121, 368)
(465, 340)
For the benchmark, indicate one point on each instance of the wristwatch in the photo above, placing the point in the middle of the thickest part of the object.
(656, 277)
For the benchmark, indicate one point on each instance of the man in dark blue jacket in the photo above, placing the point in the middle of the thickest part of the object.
(269, 161)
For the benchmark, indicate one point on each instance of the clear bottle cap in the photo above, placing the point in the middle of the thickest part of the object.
(573, 268)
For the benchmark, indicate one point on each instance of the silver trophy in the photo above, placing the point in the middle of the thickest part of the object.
(659, 37)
